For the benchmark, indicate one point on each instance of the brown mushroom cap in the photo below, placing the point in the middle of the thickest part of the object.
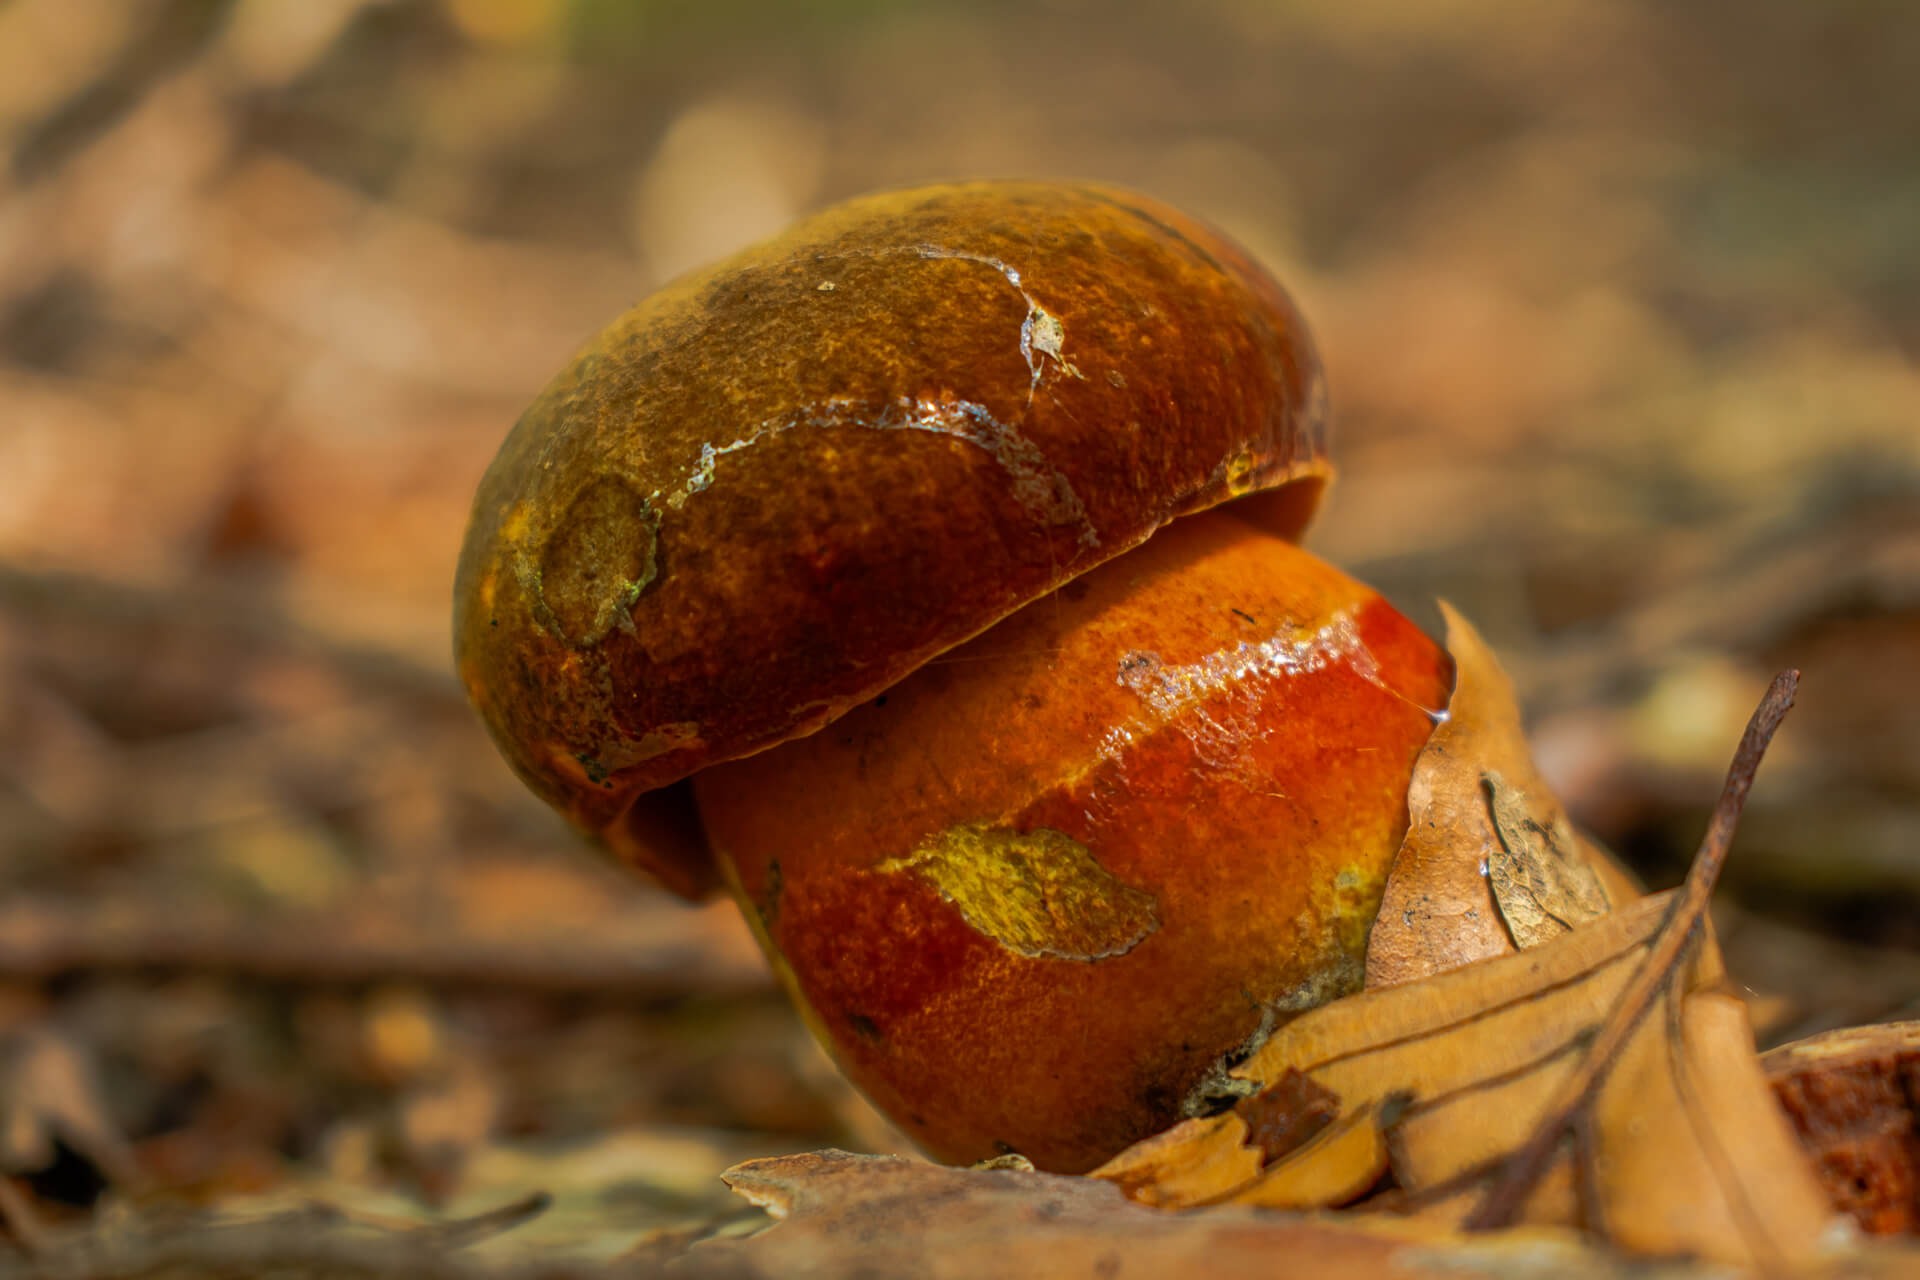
(777, 486)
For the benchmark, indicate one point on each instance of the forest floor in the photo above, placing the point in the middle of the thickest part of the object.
(1621, 306)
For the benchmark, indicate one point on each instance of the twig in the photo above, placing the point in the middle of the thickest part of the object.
(483, 1226)
(211, 606)
(652, 950)
(457, 1233)
(1523, 1170)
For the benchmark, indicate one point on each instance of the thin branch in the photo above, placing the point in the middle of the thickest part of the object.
(1522, 1172)
(647, 951)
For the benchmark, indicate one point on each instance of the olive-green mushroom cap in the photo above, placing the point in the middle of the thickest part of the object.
(780, 484)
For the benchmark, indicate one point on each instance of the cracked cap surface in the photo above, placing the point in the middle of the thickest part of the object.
(778, 485)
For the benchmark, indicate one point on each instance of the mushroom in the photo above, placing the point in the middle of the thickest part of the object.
(927, 574)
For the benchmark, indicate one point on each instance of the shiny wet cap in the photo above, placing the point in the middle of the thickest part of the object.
(780, 484)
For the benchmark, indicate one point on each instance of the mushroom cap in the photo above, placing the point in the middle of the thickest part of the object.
(780, 484)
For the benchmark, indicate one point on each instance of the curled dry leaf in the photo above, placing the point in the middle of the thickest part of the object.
(1599, 1078)
(1490, 863)
(1338, 1165)
(1854, 1099)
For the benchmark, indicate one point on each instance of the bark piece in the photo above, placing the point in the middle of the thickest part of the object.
(1853, 1097)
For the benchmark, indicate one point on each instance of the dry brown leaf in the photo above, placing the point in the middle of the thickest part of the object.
(1287, 1114)
(1438, 1040)
(1773, 1211)
(1732, 1183)
(1490, 862)
(1196, 1162)
(1597, 1079)
(1683, 1153)
(881, 1216)
(1338, 1165)
(1853, 1097)
(1541, 881)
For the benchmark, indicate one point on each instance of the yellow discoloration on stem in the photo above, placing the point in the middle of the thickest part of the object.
(1040, 892)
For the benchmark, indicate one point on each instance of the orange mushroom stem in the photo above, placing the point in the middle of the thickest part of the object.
(1034, 893)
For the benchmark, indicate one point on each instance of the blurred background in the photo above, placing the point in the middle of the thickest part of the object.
(1621, 301)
